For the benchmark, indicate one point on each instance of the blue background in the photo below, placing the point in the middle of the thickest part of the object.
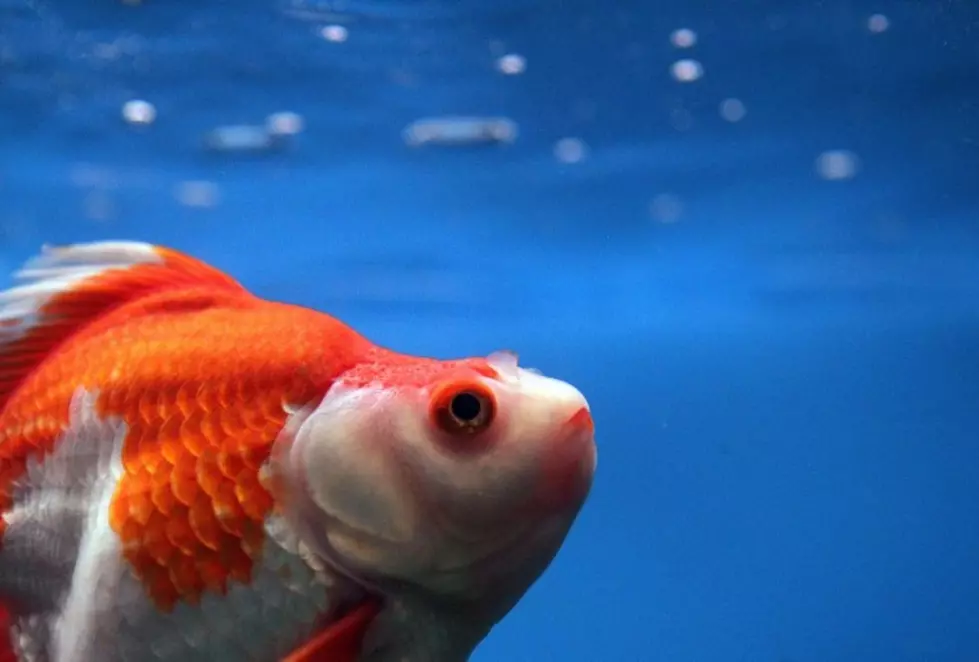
(784, 380)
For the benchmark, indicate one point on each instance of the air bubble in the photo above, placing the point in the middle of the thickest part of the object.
(335, 33)
(837, 164)
(878, 23)
(687, 71)
(512, 64)
(138, 111)
(733, 110)
(570, 150)
(683, 38)
(242, 138)
(452, 130)
(285, 123)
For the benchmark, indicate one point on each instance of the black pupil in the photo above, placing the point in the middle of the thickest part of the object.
(466, 407)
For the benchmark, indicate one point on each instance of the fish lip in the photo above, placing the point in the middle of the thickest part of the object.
(568, 470)
(581, 421)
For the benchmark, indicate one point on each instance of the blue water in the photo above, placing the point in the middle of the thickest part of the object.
(782, 366)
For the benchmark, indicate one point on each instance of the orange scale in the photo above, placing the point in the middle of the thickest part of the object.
(225, 397)
(254, 499)
(274, 408)
(164, 402)
(273, 428)
(28, 430)
(157, 580)
(178, 531)
(161, 477)
(192, 434)
(255, 454)
(232, 424)
(209, 475)
(205, 398)
(210, 428)
(147, 406)
(155, 544)
(253, 418)
(133, 401)
(119, 510)
(132, 449)
(228, 510)
(169, 439)
(213, 573)
(204, 523)
(243, 391)
(185, 577)
(141, 506)
(230, 463)
(111, 400)
(237, 563)
(184, 482)
(131, 530)
(186, 400)
(245, 388)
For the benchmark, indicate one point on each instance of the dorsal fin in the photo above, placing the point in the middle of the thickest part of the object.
(68, 287)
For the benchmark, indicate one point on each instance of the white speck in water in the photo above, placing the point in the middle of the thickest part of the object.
(242, 138)
(199, 194)
(666, 208)
(570, 150)
(452, 130)
(837, 164)
(285, 123)
(733, 110)
(512, 64)
(687, 71)
(683, 38)
(335, 33)
(878, 23)
(138, 111)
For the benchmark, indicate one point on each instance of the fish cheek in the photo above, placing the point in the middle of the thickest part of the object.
(355, 483)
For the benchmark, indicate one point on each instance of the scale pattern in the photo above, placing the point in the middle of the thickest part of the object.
(191, 504)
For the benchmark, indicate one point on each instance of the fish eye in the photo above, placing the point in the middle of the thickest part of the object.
(466, 407)
(464, 410)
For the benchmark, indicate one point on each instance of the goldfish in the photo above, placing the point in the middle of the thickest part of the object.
(190, 472)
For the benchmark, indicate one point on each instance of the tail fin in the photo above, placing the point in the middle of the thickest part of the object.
(68, 287)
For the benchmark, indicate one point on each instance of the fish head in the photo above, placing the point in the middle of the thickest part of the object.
(456, 480)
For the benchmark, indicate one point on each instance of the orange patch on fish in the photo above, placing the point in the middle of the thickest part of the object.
(201, 415)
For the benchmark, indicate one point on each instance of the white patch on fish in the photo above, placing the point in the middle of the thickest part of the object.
(64, 563)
